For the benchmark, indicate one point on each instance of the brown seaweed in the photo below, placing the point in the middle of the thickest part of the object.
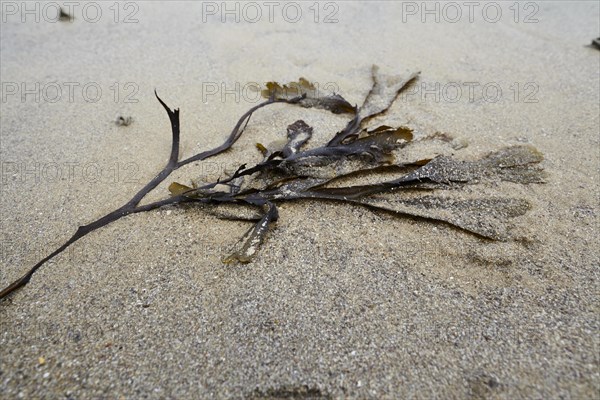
(311, 98)
(249, 244)
(293, 171)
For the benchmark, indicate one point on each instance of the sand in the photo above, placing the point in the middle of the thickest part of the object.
(342, 302)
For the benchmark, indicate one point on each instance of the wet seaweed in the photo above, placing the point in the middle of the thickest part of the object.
(292, 171)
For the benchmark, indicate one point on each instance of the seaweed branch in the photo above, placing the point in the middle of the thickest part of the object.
(291, 172)
(131, 207)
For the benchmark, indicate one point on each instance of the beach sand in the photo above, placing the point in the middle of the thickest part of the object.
(342, 301)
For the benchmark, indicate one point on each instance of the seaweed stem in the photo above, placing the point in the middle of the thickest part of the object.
(131, 207)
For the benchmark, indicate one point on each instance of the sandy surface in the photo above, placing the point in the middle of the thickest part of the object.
(342, 302)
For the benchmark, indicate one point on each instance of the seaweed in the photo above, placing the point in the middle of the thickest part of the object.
(292, 171)
(310, 96)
